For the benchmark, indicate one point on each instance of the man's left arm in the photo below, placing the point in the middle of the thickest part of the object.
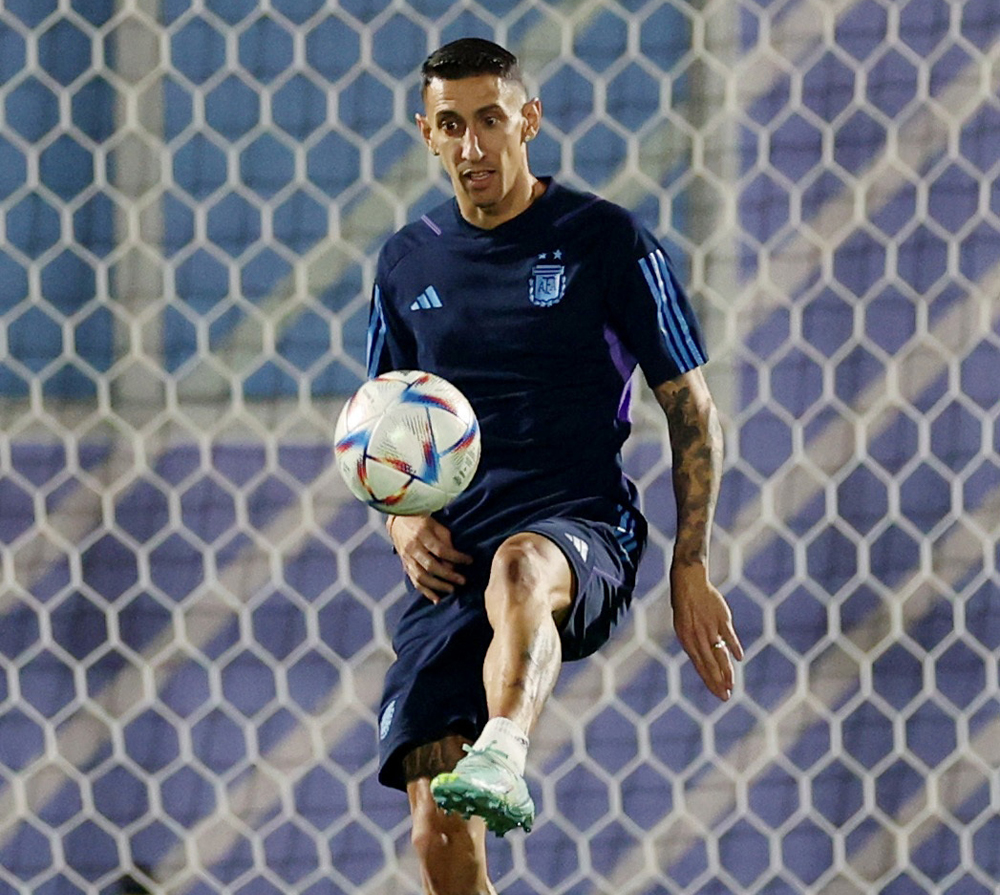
(702, 620)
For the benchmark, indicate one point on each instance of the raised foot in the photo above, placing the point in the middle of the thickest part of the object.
(484, 785)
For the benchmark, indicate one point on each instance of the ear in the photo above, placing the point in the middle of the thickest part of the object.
(424, 126)
(531, 111)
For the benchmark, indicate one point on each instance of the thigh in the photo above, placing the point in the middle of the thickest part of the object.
(604, 559)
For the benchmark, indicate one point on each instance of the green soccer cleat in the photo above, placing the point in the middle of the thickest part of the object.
(485, 785)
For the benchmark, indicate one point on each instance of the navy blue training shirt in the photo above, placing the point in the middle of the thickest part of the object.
(540, 322)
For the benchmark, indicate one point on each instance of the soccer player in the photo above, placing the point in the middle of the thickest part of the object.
(537, 301)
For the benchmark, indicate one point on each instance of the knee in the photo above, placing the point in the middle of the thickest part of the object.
(449, 862)
(517, 574)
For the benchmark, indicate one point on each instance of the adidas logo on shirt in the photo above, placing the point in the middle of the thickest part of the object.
(426, 300)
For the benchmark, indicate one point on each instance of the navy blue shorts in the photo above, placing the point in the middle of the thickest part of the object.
(435, 686)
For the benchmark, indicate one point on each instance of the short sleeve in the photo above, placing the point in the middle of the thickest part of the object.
(389, 345)
(649, 308)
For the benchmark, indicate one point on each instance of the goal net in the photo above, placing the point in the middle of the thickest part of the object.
(195, 614)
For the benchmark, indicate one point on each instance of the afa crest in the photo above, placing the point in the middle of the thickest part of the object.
(547, 284)
(386, 722)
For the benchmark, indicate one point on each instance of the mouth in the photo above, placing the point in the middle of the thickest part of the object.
(478, 178)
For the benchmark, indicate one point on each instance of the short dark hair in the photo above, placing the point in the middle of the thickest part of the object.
(468, 57)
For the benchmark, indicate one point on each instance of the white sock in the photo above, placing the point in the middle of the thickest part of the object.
(508, 738)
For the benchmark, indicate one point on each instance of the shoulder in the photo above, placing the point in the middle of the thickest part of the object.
(576, 209)
(425, 232)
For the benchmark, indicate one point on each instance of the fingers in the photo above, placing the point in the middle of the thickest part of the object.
(428, 556)
(724, 667)
(712, 659)
(437, 539)
(713, 656)
(431, 577)
(725, 648)
(704, 626)
(733, 645)
(431, 586)
(431, 595)
(431, 569)
(706, 671)
(732, 641)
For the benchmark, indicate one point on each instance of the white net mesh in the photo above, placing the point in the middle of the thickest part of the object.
(194, 612)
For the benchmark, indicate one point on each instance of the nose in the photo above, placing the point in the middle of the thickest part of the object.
(470, 146)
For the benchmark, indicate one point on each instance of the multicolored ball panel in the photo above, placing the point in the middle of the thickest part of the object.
(407, 442)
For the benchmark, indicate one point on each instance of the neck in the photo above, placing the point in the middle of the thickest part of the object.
(517, 201)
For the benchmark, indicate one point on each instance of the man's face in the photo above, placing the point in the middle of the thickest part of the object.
(479, 127)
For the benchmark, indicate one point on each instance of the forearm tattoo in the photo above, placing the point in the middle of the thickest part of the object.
(696, 446)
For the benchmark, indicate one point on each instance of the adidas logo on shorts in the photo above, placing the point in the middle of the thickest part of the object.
(581, 545)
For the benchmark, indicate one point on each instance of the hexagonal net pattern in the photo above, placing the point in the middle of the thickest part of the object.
(195, 614)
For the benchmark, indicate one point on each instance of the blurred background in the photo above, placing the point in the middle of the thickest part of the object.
(195, 615)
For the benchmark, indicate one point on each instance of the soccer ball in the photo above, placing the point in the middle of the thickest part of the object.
(407, 443)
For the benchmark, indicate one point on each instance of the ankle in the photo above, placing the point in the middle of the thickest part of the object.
(508, 737)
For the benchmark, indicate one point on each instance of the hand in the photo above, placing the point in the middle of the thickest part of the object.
(703, 623)
(425, 549)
